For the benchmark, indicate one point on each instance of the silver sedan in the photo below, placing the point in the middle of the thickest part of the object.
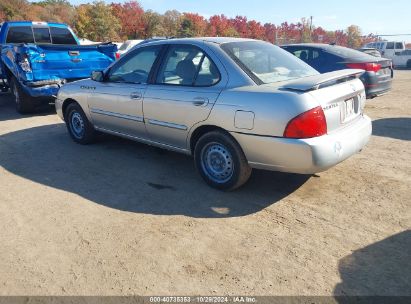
(234, 104)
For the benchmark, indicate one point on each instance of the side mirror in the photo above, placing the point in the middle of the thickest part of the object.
(97, 76)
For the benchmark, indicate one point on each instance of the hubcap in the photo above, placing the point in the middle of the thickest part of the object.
(217, 162)
(77, 125)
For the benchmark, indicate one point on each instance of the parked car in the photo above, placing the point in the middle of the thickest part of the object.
(403, 60)
(370, 51)
(378, 72)
(126, 46)
(37, 58)
(234, 104)
(388, 49)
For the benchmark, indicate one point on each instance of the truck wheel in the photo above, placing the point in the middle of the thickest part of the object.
(78, 125)
(221, 161)
(22, 100)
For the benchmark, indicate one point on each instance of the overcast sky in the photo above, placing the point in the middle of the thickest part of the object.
(373, 16)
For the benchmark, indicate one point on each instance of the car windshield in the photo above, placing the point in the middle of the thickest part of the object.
(266, 63)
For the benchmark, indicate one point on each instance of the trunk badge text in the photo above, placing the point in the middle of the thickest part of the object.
(330, 106)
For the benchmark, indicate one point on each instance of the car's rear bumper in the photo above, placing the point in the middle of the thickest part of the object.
(376, 85)
(305, 156)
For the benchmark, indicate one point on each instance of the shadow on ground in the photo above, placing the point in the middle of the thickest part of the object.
(133, 177)
(398, 128)
(8, 111)
(383, 268)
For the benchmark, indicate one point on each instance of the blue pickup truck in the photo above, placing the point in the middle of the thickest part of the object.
(37, 58)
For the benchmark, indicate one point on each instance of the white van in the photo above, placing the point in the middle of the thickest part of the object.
(388, 49)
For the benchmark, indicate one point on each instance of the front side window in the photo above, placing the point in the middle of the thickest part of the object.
(187, 65)
(41, 35)
(135, 67)
(61, 35)
(266, 63)
(20, 34)
(399, 45)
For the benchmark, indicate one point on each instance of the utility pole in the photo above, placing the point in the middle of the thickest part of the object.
(311, 28)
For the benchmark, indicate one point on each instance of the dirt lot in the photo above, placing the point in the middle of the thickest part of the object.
(124, 218)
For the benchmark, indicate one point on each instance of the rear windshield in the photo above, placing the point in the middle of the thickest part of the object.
(266, 63)
(20, 34)
(41, 35)
(28, 34)
(61, 35)
(346, 52)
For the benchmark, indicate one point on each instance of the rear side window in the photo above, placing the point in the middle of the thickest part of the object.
(390, 46)
(20, 34)
(41, 35)
(61, 35)
(187, 65)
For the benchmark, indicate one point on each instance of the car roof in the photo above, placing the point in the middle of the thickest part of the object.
(315, 45)
(31, 23)
(217, 40)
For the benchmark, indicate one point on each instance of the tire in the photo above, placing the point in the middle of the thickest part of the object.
(220, 161)
(409, 64)
(23, 101)
(78, 125)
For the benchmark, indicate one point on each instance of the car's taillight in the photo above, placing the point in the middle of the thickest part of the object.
(308, 124)
(24, 63)
(117, 55)
(368, 66)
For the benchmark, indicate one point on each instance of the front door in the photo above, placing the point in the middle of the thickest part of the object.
(184, 93)
(116, 104)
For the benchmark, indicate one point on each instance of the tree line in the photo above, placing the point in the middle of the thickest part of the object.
(99, 21)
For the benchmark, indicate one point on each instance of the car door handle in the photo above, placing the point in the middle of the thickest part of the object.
(136, 95)
(200, 101)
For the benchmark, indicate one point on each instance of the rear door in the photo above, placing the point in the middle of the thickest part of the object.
(186, 87)
(116, 104)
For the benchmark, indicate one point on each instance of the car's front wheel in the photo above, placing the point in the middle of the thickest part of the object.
(221, 161)
(78, 125)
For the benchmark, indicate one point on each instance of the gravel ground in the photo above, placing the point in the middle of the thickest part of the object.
(122, 218)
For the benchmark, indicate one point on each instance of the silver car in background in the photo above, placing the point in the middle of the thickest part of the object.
(234, 104)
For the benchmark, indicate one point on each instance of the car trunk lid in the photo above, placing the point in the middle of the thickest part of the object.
(340, 94)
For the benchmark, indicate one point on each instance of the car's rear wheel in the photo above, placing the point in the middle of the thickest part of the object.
(22, 100)
(78, 125)
(221, 161)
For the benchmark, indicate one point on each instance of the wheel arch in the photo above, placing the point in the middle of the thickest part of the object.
(203, 129)
(66, 103)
